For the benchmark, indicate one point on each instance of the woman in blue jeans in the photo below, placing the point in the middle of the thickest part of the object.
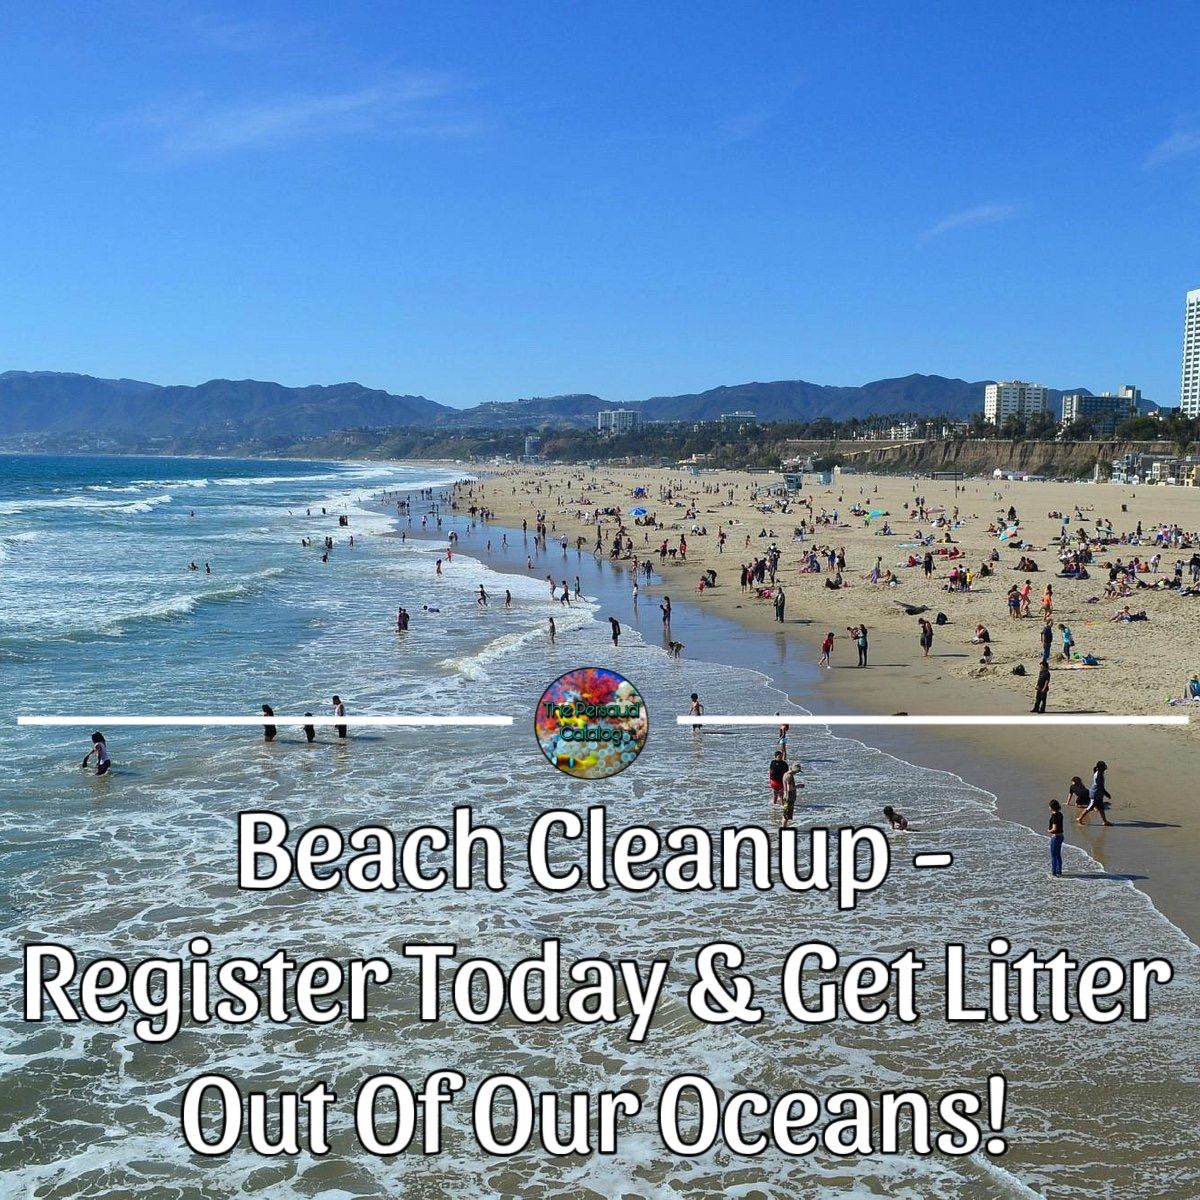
(1056, 837)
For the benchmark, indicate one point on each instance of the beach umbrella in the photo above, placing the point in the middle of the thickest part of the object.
(639, 511)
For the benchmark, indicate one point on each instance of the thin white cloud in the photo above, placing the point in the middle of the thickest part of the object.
(409, 105)
(1186, 141)
(748, 122)
(981, 214)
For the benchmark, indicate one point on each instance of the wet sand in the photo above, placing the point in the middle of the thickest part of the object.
(1151, 771)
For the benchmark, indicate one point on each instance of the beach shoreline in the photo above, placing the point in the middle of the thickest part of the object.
(1151, 844)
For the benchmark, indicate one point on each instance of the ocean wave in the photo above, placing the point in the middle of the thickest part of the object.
(15, 539)
(174, 607)
(171, 608)
(474, 666)
(12, 508)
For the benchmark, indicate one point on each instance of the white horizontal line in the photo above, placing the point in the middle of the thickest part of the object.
(941, 858)
(262, 719)
(939, 719)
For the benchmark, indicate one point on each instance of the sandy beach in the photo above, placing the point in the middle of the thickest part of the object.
(1142, 663)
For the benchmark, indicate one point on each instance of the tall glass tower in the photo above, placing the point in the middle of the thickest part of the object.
(1189, 386)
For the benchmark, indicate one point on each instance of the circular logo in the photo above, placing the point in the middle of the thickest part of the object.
(591, 723)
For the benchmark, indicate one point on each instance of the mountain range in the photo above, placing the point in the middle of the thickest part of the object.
(47, 402)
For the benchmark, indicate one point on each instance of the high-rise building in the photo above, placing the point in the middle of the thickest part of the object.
(618, 420)
(1189, 386)
(1014, 398)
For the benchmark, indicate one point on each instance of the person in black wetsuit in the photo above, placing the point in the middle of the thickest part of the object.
(1042, 689)
(269, 731)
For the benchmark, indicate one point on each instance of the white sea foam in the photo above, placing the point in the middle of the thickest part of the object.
(135, 864)
(45, 504)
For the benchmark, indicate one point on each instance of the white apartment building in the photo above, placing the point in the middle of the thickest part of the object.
(1189, 386)
(618, 420)
(1013, 398)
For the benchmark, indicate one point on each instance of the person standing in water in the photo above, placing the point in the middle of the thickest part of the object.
(269, 731)
(339, 710)
(791, 784)
(553, 631)
(1055, 829)
(100, 750)
(616, 630)
(310, 731)
(776, 770)
(696, 709)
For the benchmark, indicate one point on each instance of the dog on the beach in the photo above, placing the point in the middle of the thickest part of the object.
(675, 649)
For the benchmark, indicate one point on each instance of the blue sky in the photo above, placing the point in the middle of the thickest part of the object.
(484, 201)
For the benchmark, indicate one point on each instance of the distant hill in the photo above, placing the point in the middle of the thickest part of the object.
(796, 400)
(235, 410)
(783, 400)
(49, 401)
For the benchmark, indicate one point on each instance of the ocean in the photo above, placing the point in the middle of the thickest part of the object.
(100, 613)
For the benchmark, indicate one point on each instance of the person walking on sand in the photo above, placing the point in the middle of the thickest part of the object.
(1068, 640)
(1024, 591)
(826, 650)
(1055, 829)
(926, 639)
(100, 750)
(616, 630)
(339, 710)
(1097, 794)
(1041, 688)
(1047, 636)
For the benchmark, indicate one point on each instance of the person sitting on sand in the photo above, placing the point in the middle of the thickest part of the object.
(1077, 793)
(982, 636)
